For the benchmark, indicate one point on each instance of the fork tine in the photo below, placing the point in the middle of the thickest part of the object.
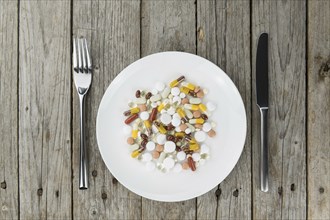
(88, 59)
(79, 57)
(83, 56)
(74, 55)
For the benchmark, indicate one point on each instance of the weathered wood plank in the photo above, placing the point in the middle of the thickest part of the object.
(8, 110)
(224, 38)
(168, 25)
(113, 32)
(318, 134)
(44, 112)
(286, 23)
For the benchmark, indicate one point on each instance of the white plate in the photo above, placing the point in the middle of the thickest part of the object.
(226, 147)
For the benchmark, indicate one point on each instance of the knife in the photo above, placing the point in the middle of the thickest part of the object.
(262, 103)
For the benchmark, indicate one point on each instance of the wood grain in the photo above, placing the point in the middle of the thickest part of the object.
(224, 38)
(318, 134)
(112, 29)
(44, 112)
(285, 21)
(8, 110)
(168, 25)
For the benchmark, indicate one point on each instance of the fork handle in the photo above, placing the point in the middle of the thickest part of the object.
(83, 178)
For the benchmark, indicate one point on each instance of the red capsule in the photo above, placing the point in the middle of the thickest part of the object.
(131, 118)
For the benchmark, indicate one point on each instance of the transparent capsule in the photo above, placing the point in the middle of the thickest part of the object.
(182, 114)
(160, 127)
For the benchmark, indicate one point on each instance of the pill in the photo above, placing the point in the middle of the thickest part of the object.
(150, 146)
(159, 148)
(131, 111)
(205, 91)
(176, 121)
(211, 133)
(142, 107)
(146, 157)
(144, 116)
(130, 140)
(161, 157)
(133, 147)
(166, 92)
(200, 94)
(184, 90)
(188, 113)
(182, 114)
(154, 129)
(191, 163)
(184, 101)
(177, 168)
(175, 91)
(141, 100)
(153, 114)
(171, 110)
(188, 85)
(200, 136)
(179, 134)
(182, 95)
(177, 129)
(144, 136)
(135, 131)
(202, 107)
(197, 114)
(161, 139)
(211, 106)
(165, 118)
(195, 100)
(150, 166)
(185, 166)
(203, 116)
(207, 127)
(181, 156)
(213, 124)
(147, 125)
(131, 118)
(163, 111)
(155, 154)
(127, 129)
(194, 147)
(192, 93)
(154, 91)
(169, 146)
(155, 98)
(176, 100)
(168, 163)
(187, 131)
(196, 121)
(137, 152)
(192, 128)
(191, 107)
(196, 156)
(160, 127)
(148, 95)
(198, 126)
(183, 127)
(176, 81)
(138, 94)
(197, 89)
(205, 149)
(160, 86)
(131, 104)
(153, 105)
(176, 115)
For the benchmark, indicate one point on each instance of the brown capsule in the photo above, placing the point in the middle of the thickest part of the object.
(153, 114)
(138, 94)
(203, 116)
(178, 149)
(144, 143)
(127, 113)
(181, 78)
(144, 136)
(148, 95)
(131, 118)
(191, 163)
(170, 127)
(142, 148)
(170, 138)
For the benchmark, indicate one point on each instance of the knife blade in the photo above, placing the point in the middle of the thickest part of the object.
(262, 103)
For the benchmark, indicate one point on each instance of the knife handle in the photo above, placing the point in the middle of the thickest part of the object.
(263, 150)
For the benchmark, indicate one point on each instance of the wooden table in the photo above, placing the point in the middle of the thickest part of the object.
(39, 110)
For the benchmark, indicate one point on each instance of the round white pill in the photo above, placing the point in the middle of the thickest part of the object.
(165, 118)
(161, 139)
(175, 91)
(163, 111)
(177, 129)
(182, 95)
(211, 106)
(168, 163)
(181, 156)
(150, 166)
(176, 99)
(177, 168)
(160, 86)
(200, 136)
(171, 110)
(150, 146)
(207, 127)
(176, 122)
(154, 129)
(196, 156)
(144, 116)
(154, 91)
(154, 104)
(146, 157)
(169, 147)
(187, 131)
(176, 115)
(127, 130)
(204, 149)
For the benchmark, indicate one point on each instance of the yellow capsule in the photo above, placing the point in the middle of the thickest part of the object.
(176, 82)
(135, 153)
(160, 107)
(188, 85)
(179, 134)
(132, 111)
(181, 113)
(147, 123)
(202, 107)
(196, 121)
(160, 127)
(135, 133)
(194, 147)
(191, 107)
(184, 90)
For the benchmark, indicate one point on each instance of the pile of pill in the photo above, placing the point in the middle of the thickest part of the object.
(169, 125)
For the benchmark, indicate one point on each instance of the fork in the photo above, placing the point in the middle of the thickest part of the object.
(82, 74)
